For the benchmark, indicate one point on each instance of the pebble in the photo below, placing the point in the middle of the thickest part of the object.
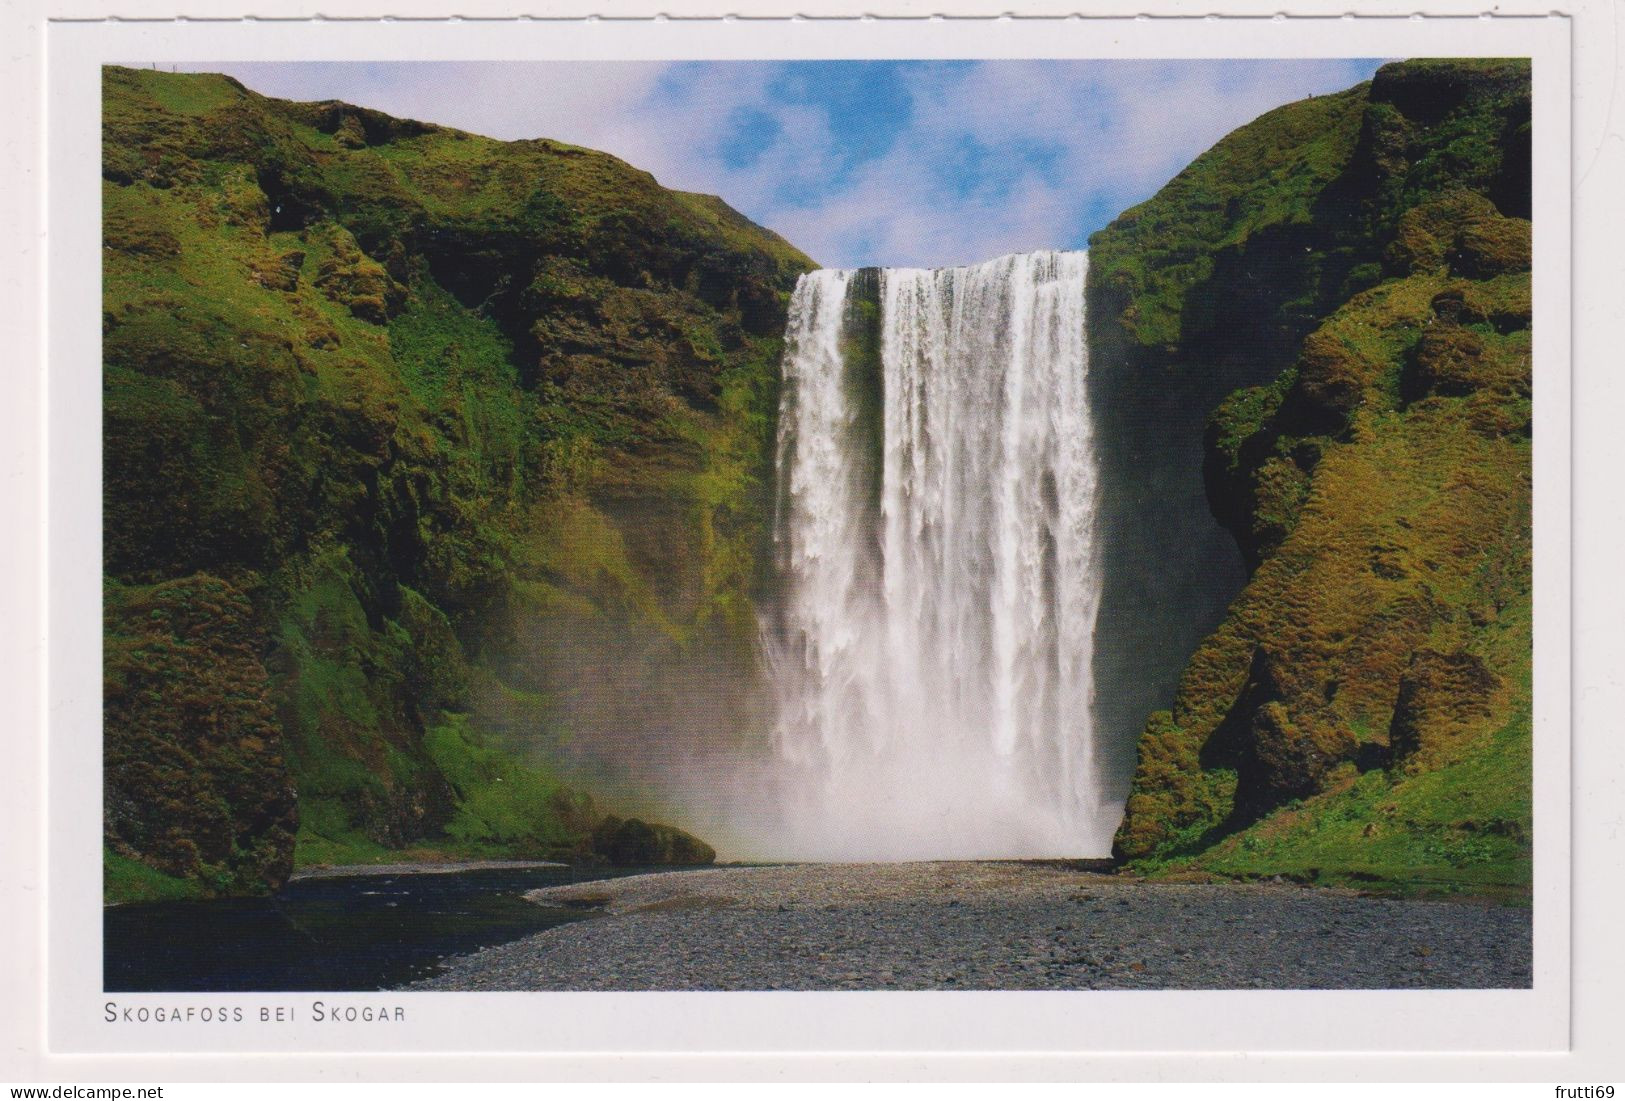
(994, 926)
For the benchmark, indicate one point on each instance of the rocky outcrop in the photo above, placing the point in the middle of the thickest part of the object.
(633, 842)
(1441, 698)
(470, 436)
(197, 785)
(1370, 458)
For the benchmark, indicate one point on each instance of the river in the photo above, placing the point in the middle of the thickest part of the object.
(330, 933)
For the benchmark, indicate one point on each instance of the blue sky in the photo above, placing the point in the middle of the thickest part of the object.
(894, 163)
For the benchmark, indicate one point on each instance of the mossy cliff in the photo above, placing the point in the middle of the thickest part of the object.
(1342, 289)
(421, 452)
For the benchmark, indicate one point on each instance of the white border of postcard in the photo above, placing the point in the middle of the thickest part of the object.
(1109, 1024)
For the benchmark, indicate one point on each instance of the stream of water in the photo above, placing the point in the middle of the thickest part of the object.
(932, 652)
(344, 933)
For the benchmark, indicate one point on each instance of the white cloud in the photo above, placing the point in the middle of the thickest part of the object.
(568, 102)
(1058, 141)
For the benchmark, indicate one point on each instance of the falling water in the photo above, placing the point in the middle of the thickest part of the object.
(931, 653)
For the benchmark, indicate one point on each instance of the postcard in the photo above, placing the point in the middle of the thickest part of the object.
(608, 537)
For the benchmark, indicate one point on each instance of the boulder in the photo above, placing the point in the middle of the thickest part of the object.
(632, 842)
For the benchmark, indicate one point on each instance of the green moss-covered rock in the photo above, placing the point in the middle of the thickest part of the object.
(1175, 795)
(1374, 471)
(1441, 698)
(196, 782)
(1448, 361)
(1333, 375)
(633, 842)
(346, 275)
(1212, 286)
(1491, 246)
(469, 422)
(1293, 751)
(1426, 235)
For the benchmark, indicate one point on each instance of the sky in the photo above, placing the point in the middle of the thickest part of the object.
(891, 163)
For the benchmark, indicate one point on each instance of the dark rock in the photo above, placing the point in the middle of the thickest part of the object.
(1291, 755)
(634, 842)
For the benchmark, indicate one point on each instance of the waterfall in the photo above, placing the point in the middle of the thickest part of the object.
(931, 652)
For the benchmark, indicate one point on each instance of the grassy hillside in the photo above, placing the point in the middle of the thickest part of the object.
(1359, 265)
(419, 449)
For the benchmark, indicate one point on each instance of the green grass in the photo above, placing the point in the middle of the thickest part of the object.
(326, 837)
(500, 801)
(503, 808)
(186, 95)
(1264, 175)
(326, 641)
(126, 880)
(1462, 828)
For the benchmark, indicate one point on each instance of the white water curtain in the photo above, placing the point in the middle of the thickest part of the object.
(932, 654)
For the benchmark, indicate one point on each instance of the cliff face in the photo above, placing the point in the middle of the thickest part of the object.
(420, 450)
(1344, 284)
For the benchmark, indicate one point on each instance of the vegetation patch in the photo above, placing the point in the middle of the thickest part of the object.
(1360, 715)
(389, 394)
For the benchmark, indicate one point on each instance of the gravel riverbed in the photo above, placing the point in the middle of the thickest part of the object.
(992, 926)
(441, 867)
